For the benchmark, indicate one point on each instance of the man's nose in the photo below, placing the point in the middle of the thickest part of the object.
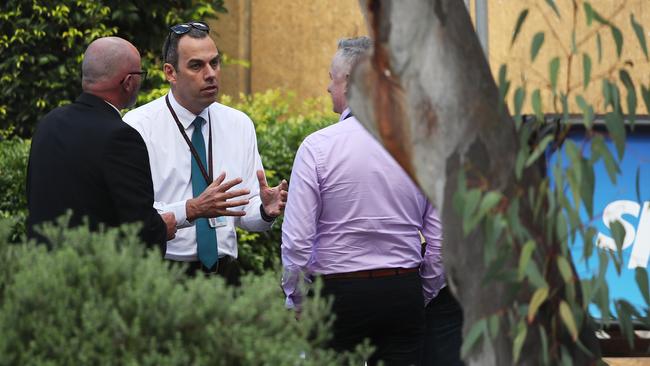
(210, 72)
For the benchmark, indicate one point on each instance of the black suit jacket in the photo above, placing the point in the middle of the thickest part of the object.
(85, 158)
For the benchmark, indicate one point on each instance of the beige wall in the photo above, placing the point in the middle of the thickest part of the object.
(290, 43)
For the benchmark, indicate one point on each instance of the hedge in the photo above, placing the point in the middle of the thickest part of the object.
(101, 299)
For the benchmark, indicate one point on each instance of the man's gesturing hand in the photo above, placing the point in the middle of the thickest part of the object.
(214, 201)
(273, 199)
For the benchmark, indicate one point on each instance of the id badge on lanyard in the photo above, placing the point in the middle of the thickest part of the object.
(216, 222)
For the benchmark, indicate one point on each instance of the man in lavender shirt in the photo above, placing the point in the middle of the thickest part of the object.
(354, 218)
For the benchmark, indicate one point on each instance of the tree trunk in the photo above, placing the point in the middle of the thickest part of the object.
(428, 95)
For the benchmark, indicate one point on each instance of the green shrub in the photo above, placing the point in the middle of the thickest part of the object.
(102, 299)
(13, 170)
(281, 124)
(42, 43)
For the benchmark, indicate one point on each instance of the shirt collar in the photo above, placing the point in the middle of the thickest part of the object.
(346, 113)
(114, 107)
(184, 116)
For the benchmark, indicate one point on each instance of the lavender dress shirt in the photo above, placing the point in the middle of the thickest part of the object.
(351, 207)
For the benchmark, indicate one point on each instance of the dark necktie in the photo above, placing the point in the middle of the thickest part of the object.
(206, 237)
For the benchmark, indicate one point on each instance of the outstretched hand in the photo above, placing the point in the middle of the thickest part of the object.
(218, 199)
(273, 199)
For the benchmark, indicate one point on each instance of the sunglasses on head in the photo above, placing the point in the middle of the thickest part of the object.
(185, 27)
(180, 29)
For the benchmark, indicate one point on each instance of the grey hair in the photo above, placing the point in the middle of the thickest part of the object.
(352, 50)
(170, 47)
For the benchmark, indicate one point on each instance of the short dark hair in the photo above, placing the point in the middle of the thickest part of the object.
(170, 47)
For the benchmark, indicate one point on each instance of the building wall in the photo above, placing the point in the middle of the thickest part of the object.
(290, 43)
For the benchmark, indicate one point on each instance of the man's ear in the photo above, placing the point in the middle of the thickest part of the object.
(347, 83)
(170, 72)
(127, 84)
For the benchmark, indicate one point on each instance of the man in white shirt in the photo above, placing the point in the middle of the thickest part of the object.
(185, 161)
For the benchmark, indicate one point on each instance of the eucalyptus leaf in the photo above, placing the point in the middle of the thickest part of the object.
(631, 94)
(525, 256)
(554, 67)
(539, 296)
(565, 107)
(640, 35)
(567, 318)
(587, 187)
(544, 338)
(536, 45)
(473, 336)
(615, 126)
(535, 276)
(586, 70)
(553, 6)
(518, 101)
(493, 325)
(565, 269)
(598, 147)
(520, 22)
(625, 321)
(645, 92)
(520, 162)
(519, 341)
(599, 47)
(641, 276)
(589, 12)
(618, 39)
(539, 150)
(587, 111)
(618, 234)
(489, 201)
(472, 199)
(504, 85)
(536, 100)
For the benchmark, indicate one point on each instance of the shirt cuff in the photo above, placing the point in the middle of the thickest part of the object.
(265, 217)
(178, 208)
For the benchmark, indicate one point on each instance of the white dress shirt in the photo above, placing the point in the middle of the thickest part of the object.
(234, 151)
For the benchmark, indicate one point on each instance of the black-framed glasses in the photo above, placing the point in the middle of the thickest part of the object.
(180, 29)
(143, 75)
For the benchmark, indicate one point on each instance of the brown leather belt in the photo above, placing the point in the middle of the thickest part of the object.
(371, 273)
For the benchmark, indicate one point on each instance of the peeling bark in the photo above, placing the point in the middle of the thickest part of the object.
(428, 95)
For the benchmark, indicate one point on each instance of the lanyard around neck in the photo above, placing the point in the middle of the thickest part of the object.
(207, 174)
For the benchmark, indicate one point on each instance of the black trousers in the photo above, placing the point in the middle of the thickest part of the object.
(227, 267)
(443, 335)
(389, 311)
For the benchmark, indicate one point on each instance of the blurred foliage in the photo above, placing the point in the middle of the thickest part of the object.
(42, 43)
(103, 299)
(13, 170)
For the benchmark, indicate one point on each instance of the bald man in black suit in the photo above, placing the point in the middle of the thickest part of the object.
(85, 158)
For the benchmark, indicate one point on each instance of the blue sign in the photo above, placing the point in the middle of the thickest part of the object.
(620, 201)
